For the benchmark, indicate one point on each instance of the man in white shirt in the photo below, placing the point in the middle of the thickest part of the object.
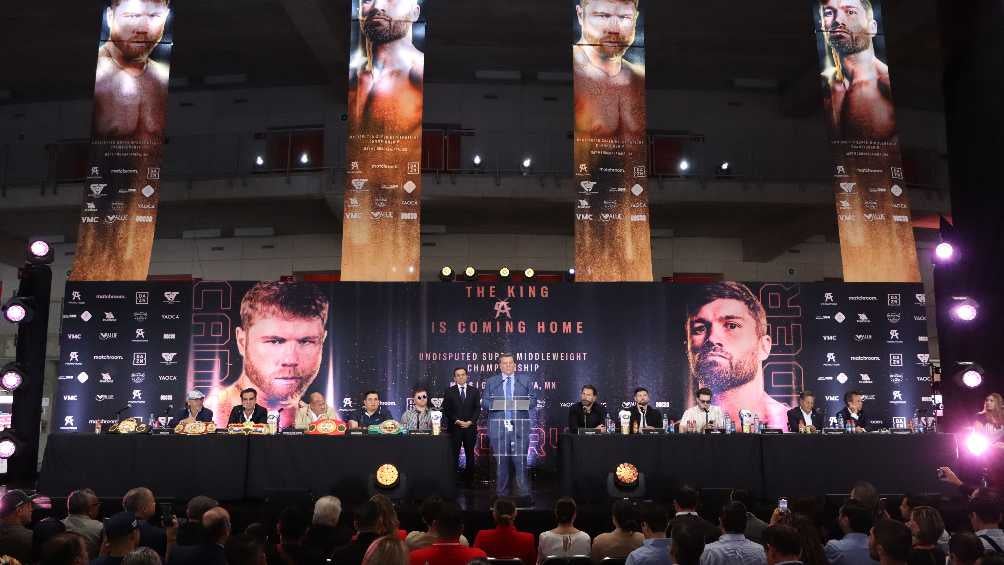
(655, 548)
(855, 521)
(985, 517)
(703, 415)
(733, 548)
(805, 415)
(784, 545)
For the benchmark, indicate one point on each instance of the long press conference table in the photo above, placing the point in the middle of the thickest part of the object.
(772, 465)
(237, 467)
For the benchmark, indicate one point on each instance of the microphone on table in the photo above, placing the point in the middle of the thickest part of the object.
(120, 411)
(167, 413)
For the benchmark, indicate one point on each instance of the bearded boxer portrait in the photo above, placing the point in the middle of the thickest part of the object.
(610, 129)
(727, 343)
(386, 77)
(281, 340)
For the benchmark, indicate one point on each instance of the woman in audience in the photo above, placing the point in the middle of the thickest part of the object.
(626, 536)
(906, 506)
(505, 541)
(388, 522)
(387, 550)
(810, 540)
(565, 540)
(926, 525)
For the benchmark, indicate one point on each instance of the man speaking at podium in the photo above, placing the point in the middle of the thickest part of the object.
(508, 399)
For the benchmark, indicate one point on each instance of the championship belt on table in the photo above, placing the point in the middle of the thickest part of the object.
(327, 427)
(129, 426)
(195, 428)
(248, 428)
(387, 427)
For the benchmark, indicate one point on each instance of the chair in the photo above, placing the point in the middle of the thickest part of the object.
(613, 561)
(555, 560)
(579, 560)
(514, 561)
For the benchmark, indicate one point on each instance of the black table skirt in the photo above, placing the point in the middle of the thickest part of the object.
(771, 465)
(237, 467)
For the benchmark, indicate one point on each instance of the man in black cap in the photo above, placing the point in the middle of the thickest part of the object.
(15, 516)
(122, 536)
(216, 522)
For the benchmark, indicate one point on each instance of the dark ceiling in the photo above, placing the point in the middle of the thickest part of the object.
(50, 46)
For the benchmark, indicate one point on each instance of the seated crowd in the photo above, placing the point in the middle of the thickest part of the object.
(864, 531)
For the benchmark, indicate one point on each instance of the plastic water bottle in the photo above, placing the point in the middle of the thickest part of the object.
(729, 426)
(152, 422)
(840, 421)
(849, 425)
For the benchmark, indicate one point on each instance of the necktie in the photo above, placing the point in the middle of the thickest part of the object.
(463, 394)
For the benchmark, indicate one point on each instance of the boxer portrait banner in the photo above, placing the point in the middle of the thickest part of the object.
(380, 231)
(612, 236)
(122, 189)
(873, 211)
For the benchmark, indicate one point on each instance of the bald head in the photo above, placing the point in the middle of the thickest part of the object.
(216, 521)
(141, 502)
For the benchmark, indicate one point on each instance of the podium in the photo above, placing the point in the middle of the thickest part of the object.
(509, 436)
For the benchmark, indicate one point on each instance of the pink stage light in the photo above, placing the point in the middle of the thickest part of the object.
(965, 312)
(972, 378)
(977, 444)
(944, 251)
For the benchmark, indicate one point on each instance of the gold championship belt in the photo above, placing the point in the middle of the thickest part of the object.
(327, 427)
(195, 428)
(249, 428)
(129, 426)
(387, 427)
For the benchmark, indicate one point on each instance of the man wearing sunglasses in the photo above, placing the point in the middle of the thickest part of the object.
(418, 416)
(703, 415)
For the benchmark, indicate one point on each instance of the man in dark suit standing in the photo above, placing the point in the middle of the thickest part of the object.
(642, 415)
(461, 409)
(216, 522)
(249, 409)
(806, 414)
(509, 429)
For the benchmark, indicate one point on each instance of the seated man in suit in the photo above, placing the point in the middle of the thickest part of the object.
(249, 409)
(194, 411)
(372, 412)
(587, 413)
(805, 415)
(642, 415)
(853, 410)
(317, 409)
(216, 522)
(461, 410)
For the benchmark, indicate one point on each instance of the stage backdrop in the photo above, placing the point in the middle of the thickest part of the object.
(380, 231)
(612, 236)
(873, 211)
(137, 347)
(122, 190)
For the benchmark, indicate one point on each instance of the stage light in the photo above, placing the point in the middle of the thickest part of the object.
(966, 311)
(470, 272)
(478, 161)
(570, 275)
(39, 252)
(387, 476)
(684, 165)
(724, 167)
(304, 158)
(446, 274)
(972, 378)
(528, 273)
(944, 251)
(504, 272)
(977, 444)
(17, 310)
(12, 377)
(260, 161)
(7, 448)
(526, 165)
(626, 475)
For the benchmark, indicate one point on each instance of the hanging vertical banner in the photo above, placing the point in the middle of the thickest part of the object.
(380, 232)
(873, 212)
(612, 239)
(122, 189)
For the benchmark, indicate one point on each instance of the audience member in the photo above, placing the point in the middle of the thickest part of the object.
(991, 559)
(687, 543)
(732, 548)
(43, 531)
(889, 542)
(783, 544)
(388, 523)
(685, 504)
(387, 550)
(121, 536)
(906, 506)
(82, 507)
(565, 540)
(625, 537)
(141, 503)
(244, 549)
(926, 526)
(431, 507)
(754, 526)
(15, 517)
(985, 518)
(216, 522)
(365, 521)
(292, 529)
(191, 531)
(505, 541)
(810, 540)
(655, 549)
(867, 495)
(142, 556)
(68, 548)
(447, 550)
(324, 534)
(855, 521)
(965, 548)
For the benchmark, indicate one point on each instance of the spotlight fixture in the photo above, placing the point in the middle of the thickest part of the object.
(8, 446)
(528, 273)
(39, 252)
(626, 475)
(684, 165)
(504, 272)
(478, 161)
(304, 158)
(446, 274)
(12, 377)
(977, 444)
(570, 275)
(259, 161)
(470, 272)
(964, 309)
(724, 167)
(387, 476)
(944, 251)
(17, 310)
(526, 165)
(972, 378)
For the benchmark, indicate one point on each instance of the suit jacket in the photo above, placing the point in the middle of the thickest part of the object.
(710, 531)
(454, 409)
(653, 417)
(862, 418)
(203, 554)
(521, 418)
(259, 416)
(204, 415)
(352, 553)
(795, 416)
